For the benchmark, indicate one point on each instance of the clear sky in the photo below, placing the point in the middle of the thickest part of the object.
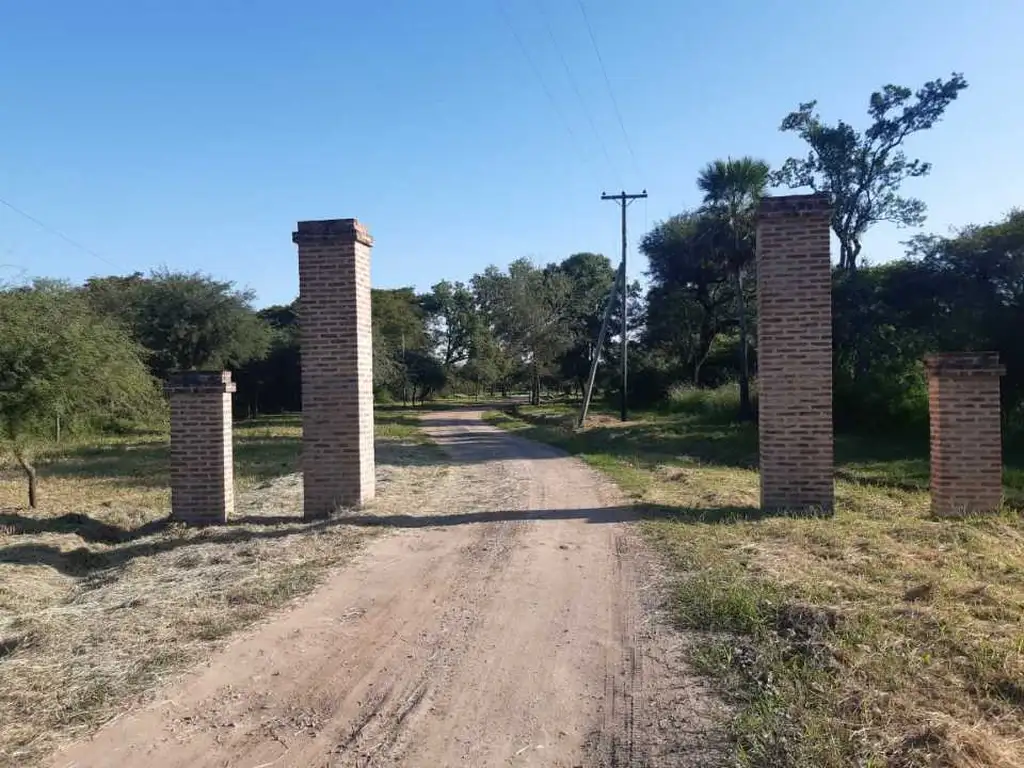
(194, 133)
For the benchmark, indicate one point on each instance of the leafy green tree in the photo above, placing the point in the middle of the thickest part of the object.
(863, 171)
(60, 359)
(488, 365)
(273, 384)
(452, 320)
(527, 309)
(425, 374)
(974, 297)
(398, 318)
(956, 293)
(691, 293)
(187, 321)
(399, 325)
(732, 190)
(114, 296)
(590, 277)
(880, 333)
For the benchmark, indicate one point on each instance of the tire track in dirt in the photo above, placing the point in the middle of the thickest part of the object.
(498, 625)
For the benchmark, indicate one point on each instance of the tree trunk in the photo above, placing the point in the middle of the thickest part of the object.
(707, 338)
(746, 411)
(30, 473)
(849, 250)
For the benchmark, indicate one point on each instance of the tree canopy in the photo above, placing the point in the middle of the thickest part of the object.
(59, 359)
(732, 190)
(863, 170)
(186, 320)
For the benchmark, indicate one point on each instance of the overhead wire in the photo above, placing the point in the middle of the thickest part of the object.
(57, 233)
(608, 85)
(576, 90)
(540, 78)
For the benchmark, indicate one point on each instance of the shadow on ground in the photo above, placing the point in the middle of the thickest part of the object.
(259, 453)
(164, 535)
(894, 461)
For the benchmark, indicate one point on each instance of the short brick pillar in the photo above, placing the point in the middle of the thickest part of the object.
(337, 365)
(202, 461)
(794, 338)
(966, 440)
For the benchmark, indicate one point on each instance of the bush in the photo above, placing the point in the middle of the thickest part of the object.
(720, 403)
(889, 400)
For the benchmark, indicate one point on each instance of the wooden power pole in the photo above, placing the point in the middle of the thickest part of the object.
(624, 200)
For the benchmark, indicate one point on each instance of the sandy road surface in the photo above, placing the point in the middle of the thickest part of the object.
(498, 625)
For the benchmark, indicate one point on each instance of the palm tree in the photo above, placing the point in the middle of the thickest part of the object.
(732, 189)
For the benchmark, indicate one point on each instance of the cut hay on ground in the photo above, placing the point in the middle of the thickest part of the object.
(101, 599)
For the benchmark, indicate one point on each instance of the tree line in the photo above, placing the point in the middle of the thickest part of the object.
(77, 358)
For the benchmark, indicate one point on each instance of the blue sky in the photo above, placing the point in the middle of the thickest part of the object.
(193, 134)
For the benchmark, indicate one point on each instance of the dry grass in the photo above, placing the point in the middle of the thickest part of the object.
(101, 599)
(876, 637)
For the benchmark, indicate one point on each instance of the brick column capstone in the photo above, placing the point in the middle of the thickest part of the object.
(794, 338)
(202, 461)
(337, 365)
(966, 439)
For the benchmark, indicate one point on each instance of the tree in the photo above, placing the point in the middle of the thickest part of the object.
(974, 299)
(863, 171)
(187, 321)
(732, 190)
(452, 320)
(527, 309)
(273, 383)
(398, 318)
(957, 293)
(489, 364)
(691, 293)
(59, 358)
(399, 325)
(424, 373)
(590, 277)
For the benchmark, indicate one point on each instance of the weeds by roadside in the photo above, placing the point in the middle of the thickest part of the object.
(876, 637)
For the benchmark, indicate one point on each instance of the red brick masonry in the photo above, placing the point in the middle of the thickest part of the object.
(794, 337)
(966, 439)
(202, 461)
(337, 364)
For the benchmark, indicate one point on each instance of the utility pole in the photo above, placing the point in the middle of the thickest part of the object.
(624, 201)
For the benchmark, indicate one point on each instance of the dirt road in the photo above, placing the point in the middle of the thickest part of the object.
(498, 624)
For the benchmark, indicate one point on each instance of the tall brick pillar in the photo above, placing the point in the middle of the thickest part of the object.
(794, 338)
(337, 364)
(202, 468)
(966, 443)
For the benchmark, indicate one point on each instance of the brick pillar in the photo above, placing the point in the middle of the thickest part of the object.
(794, 339)
(202, 462)
(966, 444)
(337, 364)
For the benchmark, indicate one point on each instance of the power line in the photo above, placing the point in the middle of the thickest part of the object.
(608, 84)
(540, 77)
(46, 227)
(576, 89)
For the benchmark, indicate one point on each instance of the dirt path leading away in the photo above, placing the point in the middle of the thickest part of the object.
(498, 626)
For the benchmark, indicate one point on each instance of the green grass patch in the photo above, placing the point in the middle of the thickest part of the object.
(875, 637)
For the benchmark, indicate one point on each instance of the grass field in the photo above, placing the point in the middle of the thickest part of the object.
(101, 598)
(877, 637)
